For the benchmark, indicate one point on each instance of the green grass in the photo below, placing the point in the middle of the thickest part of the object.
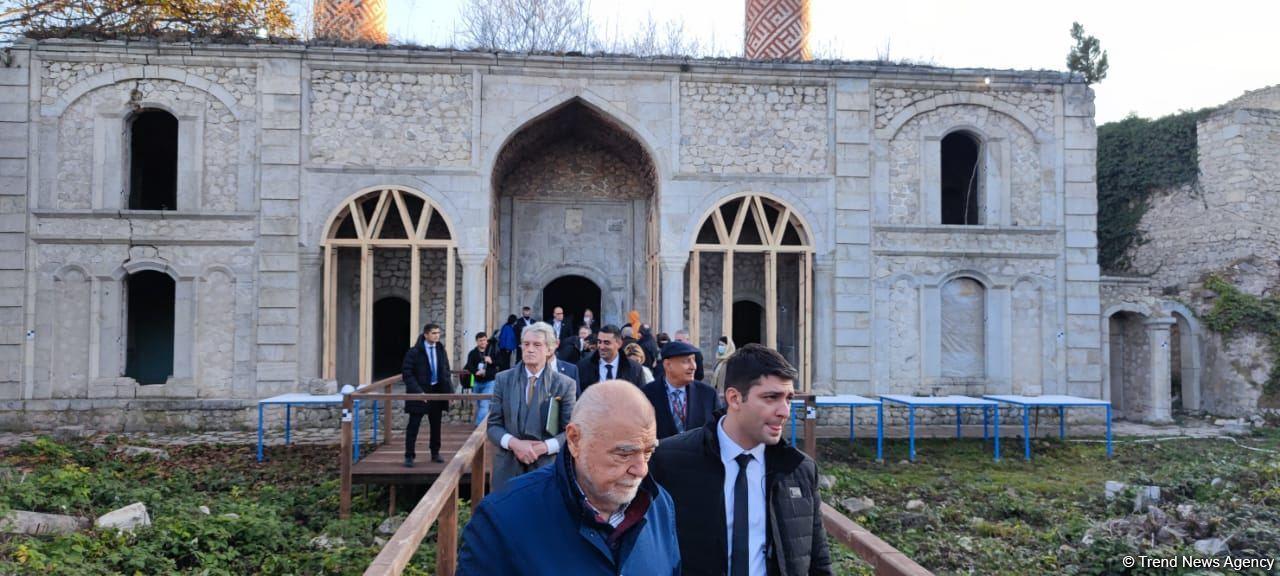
(1017, 517)
(980, 517)
(281, 505)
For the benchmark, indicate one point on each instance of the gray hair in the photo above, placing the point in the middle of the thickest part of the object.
(548, 333)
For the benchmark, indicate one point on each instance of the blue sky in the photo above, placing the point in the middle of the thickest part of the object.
(1165, 56)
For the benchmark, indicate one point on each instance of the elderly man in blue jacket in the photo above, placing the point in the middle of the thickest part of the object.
(595, 511)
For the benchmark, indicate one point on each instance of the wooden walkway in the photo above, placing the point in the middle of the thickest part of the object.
(385, 465)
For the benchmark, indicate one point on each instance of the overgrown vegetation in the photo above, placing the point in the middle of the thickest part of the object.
(1019, 518)
(263, 516)
(1234, 310)
(1137, 156)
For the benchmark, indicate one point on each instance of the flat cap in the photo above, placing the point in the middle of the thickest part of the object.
(676, 348)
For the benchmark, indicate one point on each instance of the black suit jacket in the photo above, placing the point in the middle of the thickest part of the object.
(416, 374)
(689, 467)
(700, 402)
(589, 372)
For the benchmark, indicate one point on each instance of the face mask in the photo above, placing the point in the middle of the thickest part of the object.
(720, 349)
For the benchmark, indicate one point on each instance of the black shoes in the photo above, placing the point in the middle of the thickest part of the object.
(436, 458)
(408, 461)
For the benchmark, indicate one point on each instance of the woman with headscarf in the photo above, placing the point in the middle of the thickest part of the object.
(724, 349)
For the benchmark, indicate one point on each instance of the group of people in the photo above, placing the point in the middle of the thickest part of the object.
(604, 468)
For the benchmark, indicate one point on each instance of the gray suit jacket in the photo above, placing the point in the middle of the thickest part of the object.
(510, 414)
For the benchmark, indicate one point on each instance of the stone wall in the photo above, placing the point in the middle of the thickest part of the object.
(369, 118)
(1222, 224)
(76, 140)
(777, 129)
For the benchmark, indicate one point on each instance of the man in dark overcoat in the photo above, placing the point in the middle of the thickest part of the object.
(425, 371)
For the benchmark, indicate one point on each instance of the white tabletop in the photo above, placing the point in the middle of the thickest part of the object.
(1049, 400)
(301, 398)
(842, 400)
(937, 400)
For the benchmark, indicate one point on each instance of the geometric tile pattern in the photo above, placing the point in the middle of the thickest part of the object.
(777, 30)
(351, 20)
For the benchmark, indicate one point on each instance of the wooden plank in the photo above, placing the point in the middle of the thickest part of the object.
(380, 212)
(423, 397)
(447, 535)
(761, 223)
(478, 480)
(392, 242)
(344, 464)
(741, 217)
(771, 299)
(366, 313)
(405, 542)
(885, 559)
(330, 315)
(357, 217)
(415, 294)
(726, 299)
(450, 284)
(752, 248)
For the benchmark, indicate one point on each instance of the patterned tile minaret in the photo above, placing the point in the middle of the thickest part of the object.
(777, 30)
(352, 20)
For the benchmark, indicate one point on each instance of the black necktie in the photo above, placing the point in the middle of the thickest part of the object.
(608, 371)
(740, 561)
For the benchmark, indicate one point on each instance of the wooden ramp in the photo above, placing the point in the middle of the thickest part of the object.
(385, 465)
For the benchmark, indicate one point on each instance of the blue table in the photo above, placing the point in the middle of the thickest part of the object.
(300, 399)
(853, 401)
(1059, 402)
(957, 402)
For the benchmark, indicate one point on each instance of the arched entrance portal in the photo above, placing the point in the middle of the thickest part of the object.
(748, 323)
(573, 293)
(390, 335)
(574, 186)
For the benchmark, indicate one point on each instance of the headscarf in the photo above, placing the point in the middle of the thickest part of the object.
(633, 318)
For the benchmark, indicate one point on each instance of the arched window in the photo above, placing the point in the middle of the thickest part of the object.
(149, 332)
(760, 247)
(962, 178)
(372, 229)
(153, 160)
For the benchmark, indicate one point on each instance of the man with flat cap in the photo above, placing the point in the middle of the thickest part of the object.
(679, 402)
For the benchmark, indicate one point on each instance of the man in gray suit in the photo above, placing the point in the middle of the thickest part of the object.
(521, 418)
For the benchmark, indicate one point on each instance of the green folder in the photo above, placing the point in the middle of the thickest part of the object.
(553, 416)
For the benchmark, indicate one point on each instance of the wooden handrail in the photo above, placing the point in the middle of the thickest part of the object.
(385, 383)
(885, 559)
(440, 502)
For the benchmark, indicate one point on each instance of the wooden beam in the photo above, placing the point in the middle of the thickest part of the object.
(357, 217)
(739, 219)
(883, 558)
(803, 317)
(405, 221)
(780, 229)
(380, 212)
(415, 294)
(695, 296)
(771, 299)
(344, 464)
(392, 243)
(330, 315)
(726, 298)
(450, 283)
(447, 536)
(478, 481)
(761, 223)
(366, 297)
(722, 231)
(424, 221)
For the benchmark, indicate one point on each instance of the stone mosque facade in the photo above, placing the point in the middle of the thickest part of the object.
(186, 229)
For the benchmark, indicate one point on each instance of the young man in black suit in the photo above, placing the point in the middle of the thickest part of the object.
(425, 371)
(747, 503)
(680, 403)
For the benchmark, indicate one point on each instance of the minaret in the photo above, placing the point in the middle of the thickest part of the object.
(351, 20)
(777, 30)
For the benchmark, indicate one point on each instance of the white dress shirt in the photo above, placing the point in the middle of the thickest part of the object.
(604, 374)
(756, 537)
(553, 445)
